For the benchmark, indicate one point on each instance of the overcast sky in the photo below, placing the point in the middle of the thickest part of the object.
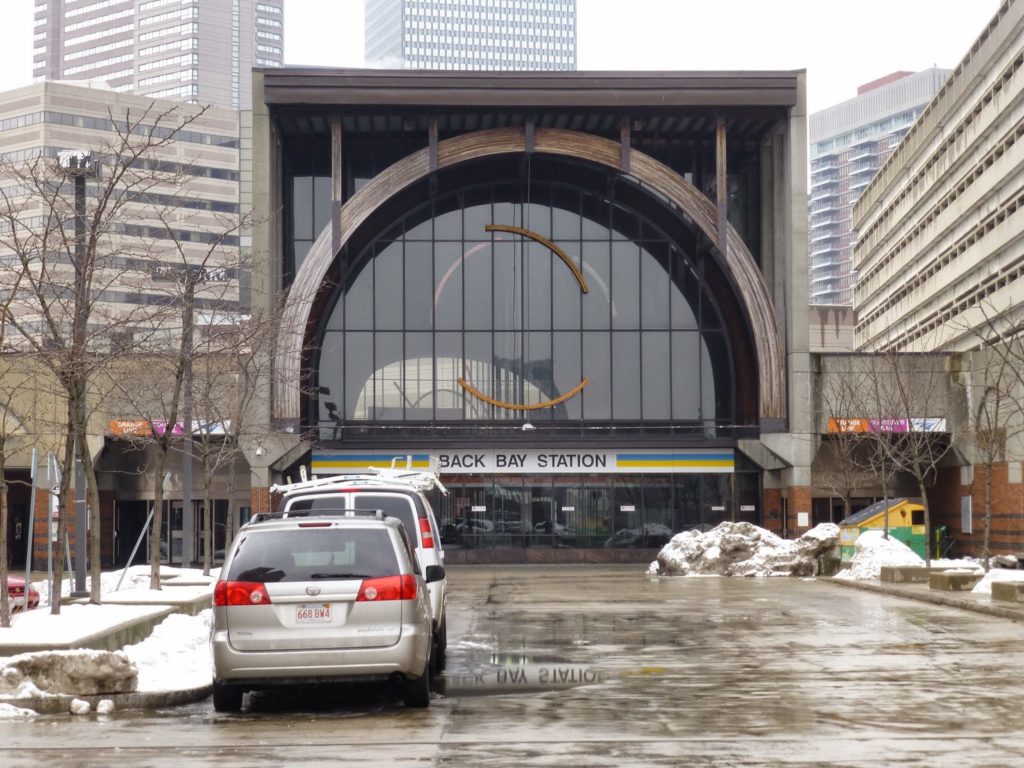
(840, 44)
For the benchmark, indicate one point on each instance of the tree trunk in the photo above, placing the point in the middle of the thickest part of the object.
(988, 516)
(5, 604)
(207, 531)
(60, 551)
(927, 521)
(92, 503)
(160, 468)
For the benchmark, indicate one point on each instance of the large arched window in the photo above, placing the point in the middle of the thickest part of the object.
(519, 301)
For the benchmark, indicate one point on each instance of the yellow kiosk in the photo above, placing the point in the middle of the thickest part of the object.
(906, 524)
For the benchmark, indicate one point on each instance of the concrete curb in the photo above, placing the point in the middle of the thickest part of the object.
(60, 703)
(936, 598)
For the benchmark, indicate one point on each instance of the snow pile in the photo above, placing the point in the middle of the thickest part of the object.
(79, 672)
(11, 712)
(873, 550)
(984, 587)
(135, 579)
(744, 549)
(176, 655)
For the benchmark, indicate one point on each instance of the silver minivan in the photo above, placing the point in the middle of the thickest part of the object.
(321, 597)
(397, 493)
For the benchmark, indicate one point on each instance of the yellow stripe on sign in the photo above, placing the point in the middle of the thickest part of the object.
(676, 463)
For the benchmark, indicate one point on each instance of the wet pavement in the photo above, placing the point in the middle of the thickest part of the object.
(602, 666)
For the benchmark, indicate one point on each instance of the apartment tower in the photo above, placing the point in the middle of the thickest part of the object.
(174, 49)
(471, 34)
(849, 142)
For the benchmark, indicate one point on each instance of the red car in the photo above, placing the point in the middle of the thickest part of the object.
(16, 594)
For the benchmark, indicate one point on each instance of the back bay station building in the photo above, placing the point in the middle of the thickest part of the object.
(584, 293)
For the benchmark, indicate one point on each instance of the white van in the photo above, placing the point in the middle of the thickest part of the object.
(397, 493)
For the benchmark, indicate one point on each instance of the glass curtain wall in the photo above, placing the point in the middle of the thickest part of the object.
(499, 296)
(588, 511)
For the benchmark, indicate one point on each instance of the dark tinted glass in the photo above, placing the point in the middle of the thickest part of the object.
(393, 506)
(313, 554)
(514, 320)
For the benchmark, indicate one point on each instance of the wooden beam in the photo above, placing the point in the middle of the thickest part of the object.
(624, 142)
(721, 185)
(432, 143)
(337, 175)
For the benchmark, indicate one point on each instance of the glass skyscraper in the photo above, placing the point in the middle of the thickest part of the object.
(175, 49)
(471, 34)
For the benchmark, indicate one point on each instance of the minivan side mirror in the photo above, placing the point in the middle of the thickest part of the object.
(434, 573)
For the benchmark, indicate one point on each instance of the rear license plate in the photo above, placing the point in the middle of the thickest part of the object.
(317, 613)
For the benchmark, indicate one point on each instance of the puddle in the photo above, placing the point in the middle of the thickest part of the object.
(520, 678)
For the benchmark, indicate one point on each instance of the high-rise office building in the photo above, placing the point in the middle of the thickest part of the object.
(176, 49)
(471, 34)
(848, 144)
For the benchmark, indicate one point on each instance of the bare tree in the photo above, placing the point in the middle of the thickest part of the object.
(75, 228)
(230, 376)
(845, 464)
(200, 292)
(994, 383)
(908, 390)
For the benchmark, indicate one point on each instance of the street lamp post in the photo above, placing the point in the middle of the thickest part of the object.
(80, 165)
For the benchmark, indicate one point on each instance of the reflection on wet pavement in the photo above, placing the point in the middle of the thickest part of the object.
(603, 666)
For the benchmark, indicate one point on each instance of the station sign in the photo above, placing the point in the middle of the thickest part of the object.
(534, 461)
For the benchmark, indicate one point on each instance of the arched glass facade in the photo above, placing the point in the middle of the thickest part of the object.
(516, 301)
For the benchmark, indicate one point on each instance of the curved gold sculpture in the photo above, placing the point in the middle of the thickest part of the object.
(521, 406)
(547, 244)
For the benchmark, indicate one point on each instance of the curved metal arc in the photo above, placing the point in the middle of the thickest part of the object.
(521, 406)
(547, 244)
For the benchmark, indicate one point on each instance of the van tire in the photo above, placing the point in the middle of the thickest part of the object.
(441, 646)
(227, 698)
(416, 693)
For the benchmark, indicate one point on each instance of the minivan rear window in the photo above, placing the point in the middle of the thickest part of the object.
(314, 554)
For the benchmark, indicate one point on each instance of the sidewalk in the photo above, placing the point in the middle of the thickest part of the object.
(967, 601)
(125, 618)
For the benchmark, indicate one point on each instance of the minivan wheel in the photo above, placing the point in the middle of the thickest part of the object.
(227, 698)
(416, 693)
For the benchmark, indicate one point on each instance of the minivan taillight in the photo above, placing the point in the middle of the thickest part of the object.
(401, 587)
(428, 536)
(240, 593)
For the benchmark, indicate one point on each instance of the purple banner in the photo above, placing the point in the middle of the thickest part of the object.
(889, 425)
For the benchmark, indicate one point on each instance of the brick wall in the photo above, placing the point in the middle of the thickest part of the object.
(259, 499)
(772, 506)
(1007, 533)
(798, 500)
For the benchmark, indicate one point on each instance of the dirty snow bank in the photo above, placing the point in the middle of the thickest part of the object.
(78, 671)
(744, 549)
(984, 587)
(873, 550)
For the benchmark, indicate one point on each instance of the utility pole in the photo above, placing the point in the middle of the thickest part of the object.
(79, 165)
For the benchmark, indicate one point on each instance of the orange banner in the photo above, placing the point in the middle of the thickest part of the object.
(842, 426)
(129, 428)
